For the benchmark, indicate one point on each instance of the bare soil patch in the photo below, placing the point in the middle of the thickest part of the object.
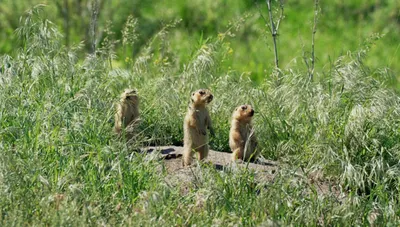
(264, 170)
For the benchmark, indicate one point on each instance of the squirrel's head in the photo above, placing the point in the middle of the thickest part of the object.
(129, 95)
(243, 113)
(201, 97)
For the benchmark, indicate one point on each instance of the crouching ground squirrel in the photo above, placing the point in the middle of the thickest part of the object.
(195, 125)
(127, 112)
(242, 140)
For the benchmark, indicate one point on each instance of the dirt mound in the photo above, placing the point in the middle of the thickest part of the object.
(178, 175)
(172, 156)
(264, 170)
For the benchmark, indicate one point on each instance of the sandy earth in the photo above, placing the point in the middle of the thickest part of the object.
(173, 157)
(264, 171)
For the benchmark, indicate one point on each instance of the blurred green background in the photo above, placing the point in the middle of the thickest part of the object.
(342, 26)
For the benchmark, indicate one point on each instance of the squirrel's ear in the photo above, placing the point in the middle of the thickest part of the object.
(192, 93)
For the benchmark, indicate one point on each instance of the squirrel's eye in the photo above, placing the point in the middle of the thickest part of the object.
(202, 92)
(244, 107)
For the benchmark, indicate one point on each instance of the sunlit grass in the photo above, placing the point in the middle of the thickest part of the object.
(60, 163)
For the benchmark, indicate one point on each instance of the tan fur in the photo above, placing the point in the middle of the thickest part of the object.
(242, 139)
(127, 112)
(195, 125)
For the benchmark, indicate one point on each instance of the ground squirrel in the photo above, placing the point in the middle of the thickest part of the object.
(195, 125)
(127, 112)
(242, 140)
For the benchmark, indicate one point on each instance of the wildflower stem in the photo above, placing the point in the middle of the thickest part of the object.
(274, 33)
(316, 11)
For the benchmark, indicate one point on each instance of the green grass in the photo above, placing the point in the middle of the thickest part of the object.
(342, 27)
(60, 163)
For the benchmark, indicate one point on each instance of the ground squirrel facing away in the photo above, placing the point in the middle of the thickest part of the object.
(195, 125)
(242, 139)
(127, 112)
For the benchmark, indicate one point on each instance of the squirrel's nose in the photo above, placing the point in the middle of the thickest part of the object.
(252, 112)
